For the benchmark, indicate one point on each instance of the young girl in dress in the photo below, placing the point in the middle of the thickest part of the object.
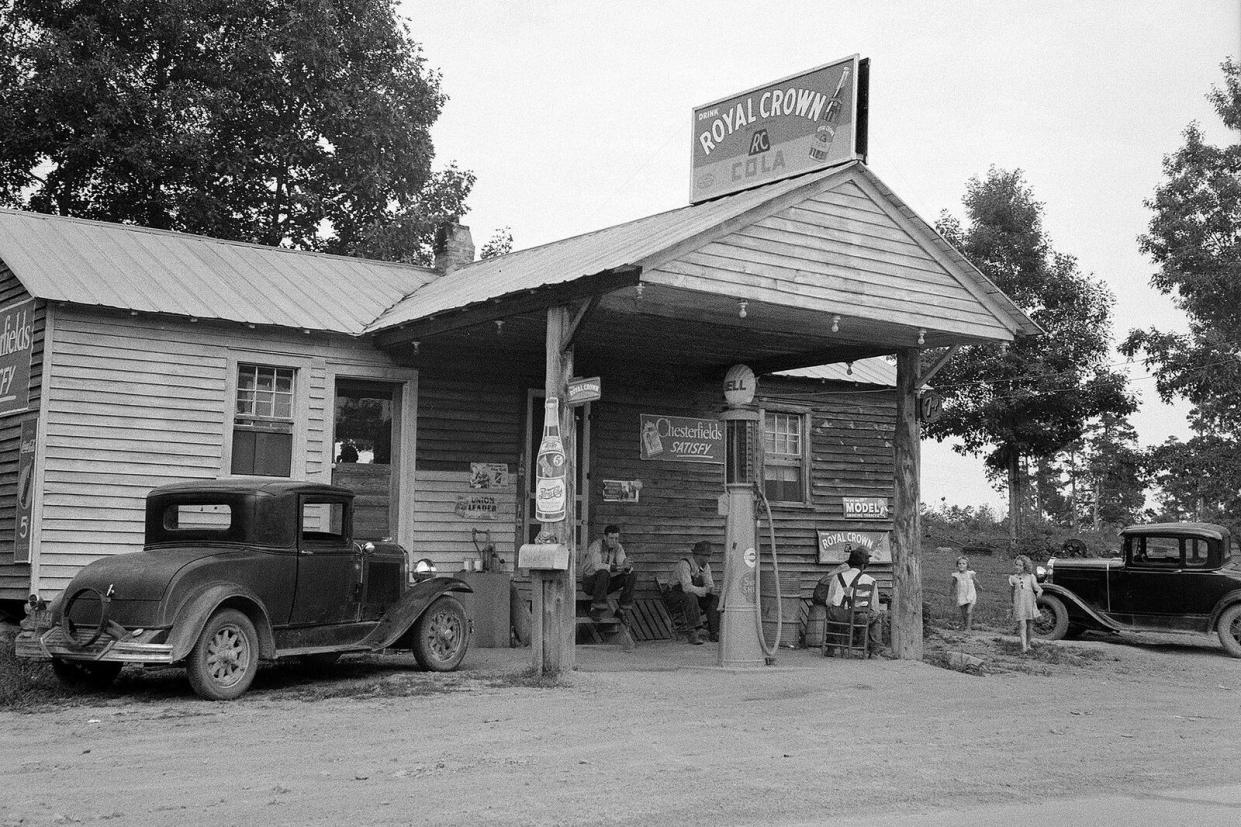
(962, 590)
(1025, 590)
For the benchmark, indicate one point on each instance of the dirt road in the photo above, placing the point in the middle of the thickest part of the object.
(653, 736)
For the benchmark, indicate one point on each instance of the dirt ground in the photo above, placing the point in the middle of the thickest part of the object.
(651, 736)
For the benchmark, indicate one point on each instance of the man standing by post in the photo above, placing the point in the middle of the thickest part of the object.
(696, 589)
(605, 569)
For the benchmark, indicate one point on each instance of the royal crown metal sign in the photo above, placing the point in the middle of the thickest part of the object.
(804, 122)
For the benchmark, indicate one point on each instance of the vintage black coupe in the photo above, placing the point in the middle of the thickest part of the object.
(1170, 577)
(238, 571)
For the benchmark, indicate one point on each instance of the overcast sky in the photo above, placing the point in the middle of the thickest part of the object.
(575, 115)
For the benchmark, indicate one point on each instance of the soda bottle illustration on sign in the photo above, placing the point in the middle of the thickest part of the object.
(549, 490)
(826, 131)
(651, 443)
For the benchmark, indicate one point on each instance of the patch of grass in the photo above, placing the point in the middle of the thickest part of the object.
(528, 678)
(25, 684)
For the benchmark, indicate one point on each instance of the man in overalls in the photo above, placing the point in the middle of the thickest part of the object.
(695, 588)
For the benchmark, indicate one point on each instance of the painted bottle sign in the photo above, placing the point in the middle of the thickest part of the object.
(549, 490)
(826, 131)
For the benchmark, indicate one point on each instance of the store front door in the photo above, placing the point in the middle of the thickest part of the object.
(362, 460)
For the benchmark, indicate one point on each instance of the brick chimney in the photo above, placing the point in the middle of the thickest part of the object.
(453, 247)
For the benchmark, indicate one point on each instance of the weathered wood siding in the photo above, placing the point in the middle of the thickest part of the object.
(851, 455)
(839, 252)
(465, 417)
(15, 577)
(134, 402)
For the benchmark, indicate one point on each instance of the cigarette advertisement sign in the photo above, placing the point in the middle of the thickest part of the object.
(681, 439)
(865, 508)
(16, 338)
(808, 121)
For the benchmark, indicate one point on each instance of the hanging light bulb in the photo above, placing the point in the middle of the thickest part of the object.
(742, 309)
(416, 344)
(849, 368)
(499, 327)
(638, 290)
(835, 324)
(921, 337)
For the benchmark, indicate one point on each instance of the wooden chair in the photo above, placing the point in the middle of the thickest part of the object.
(851, 636)
(676, 609)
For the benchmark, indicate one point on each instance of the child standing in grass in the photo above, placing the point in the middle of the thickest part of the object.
(962, 590)
(1025, 591)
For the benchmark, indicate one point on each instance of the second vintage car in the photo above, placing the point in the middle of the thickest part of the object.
(1170, 577)
(238, 571)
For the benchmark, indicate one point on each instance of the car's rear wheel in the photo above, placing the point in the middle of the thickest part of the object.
(223, 662)
(441, 635)
(1052, 622)
(76, 674)
(1229, 629)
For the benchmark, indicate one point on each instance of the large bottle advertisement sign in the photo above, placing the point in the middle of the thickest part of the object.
(25, 492)
(801, 123)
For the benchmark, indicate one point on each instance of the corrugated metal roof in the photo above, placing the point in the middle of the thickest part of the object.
(647, 242)
(636, 242)
(156, 271)
(874, 371)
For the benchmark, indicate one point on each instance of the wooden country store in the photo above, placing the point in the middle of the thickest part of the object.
(138, 357)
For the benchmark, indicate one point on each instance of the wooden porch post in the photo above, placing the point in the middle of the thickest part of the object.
(906, 532)
(553, 632)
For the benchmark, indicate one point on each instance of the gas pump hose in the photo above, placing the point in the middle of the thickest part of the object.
(770, 653)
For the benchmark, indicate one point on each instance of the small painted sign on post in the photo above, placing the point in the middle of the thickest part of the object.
(582, 391)
(681, 439)
(835, 546)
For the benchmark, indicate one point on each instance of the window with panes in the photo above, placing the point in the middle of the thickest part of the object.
(263, 421)
(784, 456)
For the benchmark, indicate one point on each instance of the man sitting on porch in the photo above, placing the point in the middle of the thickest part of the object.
(605, 569)
(695, 588)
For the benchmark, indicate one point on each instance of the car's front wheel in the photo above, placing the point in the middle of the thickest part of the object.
(441, 635)
(1229, 629)
(1052, 622)
(76, 674)
(223, 662)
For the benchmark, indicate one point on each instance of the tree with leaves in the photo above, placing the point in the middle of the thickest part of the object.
(305, 124)
(1031, 399)
(1194, 237)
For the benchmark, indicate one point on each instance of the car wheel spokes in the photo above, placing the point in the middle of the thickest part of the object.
(444, 634)
(228, 656)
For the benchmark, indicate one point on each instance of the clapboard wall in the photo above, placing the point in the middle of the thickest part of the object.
(133, 402)
(15, 577)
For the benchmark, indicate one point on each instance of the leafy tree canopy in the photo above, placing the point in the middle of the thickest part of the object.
(1194, 237)
(305, 124)
(1035, 397)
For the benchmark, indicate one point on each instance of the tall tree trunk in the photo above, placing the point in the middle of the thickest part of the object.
(906, 534)
(1014, 499)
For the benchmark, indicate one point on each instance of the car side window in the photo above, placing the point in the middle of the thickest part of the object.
(1157, 552)
(323, 522)
(1197, 551)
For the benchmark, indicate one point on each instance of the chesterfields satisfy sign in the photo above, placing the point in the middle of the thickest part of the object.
(681, 439)
(16, 340)
(804, 122)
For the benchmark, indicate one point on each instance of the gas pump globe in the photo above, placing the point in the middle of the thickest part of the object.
(739, 629)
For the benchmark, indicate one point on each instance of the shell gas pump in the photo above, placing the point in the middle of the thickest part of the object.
(741, 630)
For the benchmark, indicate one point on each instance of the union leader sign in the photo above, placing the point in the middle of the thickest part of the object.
(804, 122)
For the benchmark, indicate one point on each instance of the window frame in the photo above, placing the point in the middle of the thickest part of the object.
(300, 410)
(803, 417)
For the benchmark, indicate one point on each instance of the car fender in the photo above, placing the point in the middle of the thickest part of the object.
(1230, 599)
(1075, 603)
(401, 615)
(194, 612)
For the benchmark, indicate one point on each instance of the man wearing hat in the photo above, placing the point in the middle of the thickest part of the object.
(842, 585)
(695, 588)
